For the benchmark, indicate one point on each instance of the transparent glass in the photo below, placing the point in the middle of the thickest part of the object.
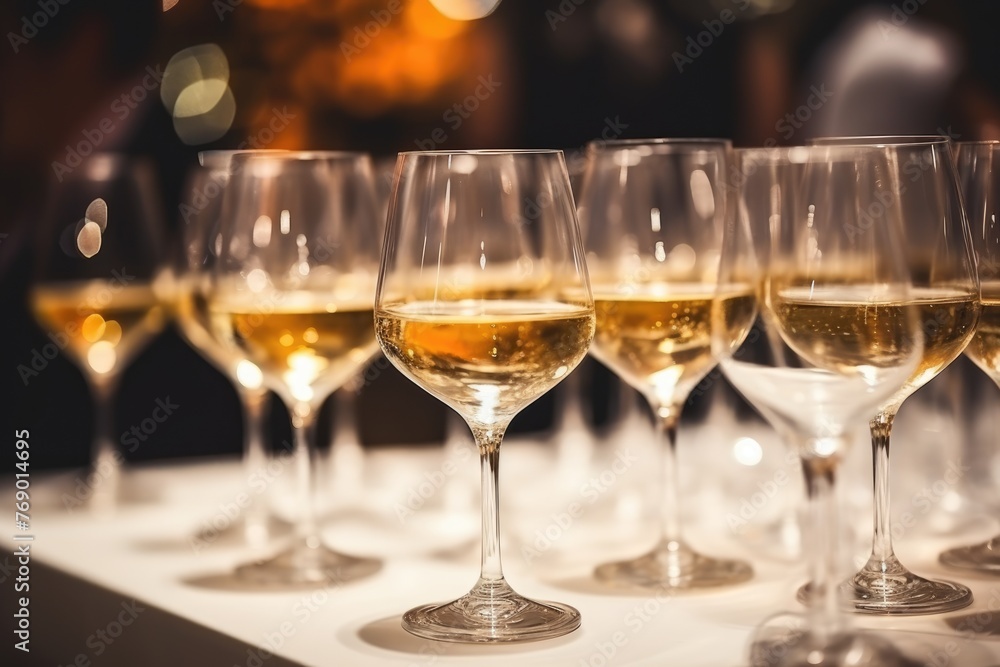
(191, 277)
(841, 336)
(653, 214)
(99, 253)
(938, 246)
(484, 301)
(292, 292)
(979, 175)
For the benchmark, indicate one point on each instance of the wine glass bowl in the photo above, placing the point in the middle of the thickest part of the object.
(653, 213)
(190, 282)
(837, 335)
(484, 301)
(292, 292)
(945, 288)
(978, 165)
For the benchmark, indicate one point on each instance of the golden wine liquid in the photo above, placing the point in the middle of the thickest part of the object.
(304, 342)
(486, 359)
(948, 320)
(984, 349)
(660, 339)
(842, 329)
(103, 323)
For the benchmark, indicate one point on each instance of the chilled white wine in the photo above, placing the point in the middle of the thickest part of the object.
(488, 359)
(843, 328)
(948, 321)
(103, 323)
(303, 340)
(660, 337)
(984, 349)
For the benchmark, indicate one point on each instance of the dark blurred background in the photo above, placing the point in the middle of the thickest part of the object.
(390, 75)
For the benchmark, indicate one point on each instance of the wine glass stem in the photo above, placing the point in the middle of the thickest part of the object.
(106, 459)
(254, 458)
(820, 474)
(881, 426)
(671, 508)
(304, 427)
(488, 440)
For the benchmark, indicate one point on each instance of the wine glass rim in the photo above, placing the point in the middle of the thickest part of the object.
(103, 165)
(305, 155)
(883, 140)
(979, 142)
(221, 157)
(658, 141)
(485, 151)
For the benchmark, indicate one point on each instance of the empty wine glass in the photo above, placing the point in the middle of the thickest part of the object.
(938, 247)
(98, 253)
(652, 213)
(292, 292)
(483, 301)
(843, 336)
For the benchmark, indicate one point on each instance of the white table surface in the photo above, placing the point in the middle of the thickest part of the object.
(143, 552)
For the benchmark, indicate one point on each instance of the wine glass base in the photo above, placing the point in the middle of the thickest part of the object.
(903, 594)
(983, 557)
(675, 566)
(491, 613)
(302, 565)
(785, 647)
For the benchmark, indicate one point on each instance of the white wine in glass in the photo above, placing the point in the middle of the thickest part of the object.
(653, 213)
(483, 301)
(98, 256)
(945, 291)
(292, 292)
(843, 336)
(979, 174)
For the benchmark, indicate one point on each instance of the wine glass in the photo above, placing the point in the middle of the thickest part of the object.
(652, 213)
(483, 300)
(98, 254)
(979, 174)
(938, 247)
(292, 292)
(200, 219)
(843, 333)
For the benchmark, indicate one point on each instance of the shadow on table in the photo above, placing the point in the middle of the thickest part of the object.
(388, 634)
